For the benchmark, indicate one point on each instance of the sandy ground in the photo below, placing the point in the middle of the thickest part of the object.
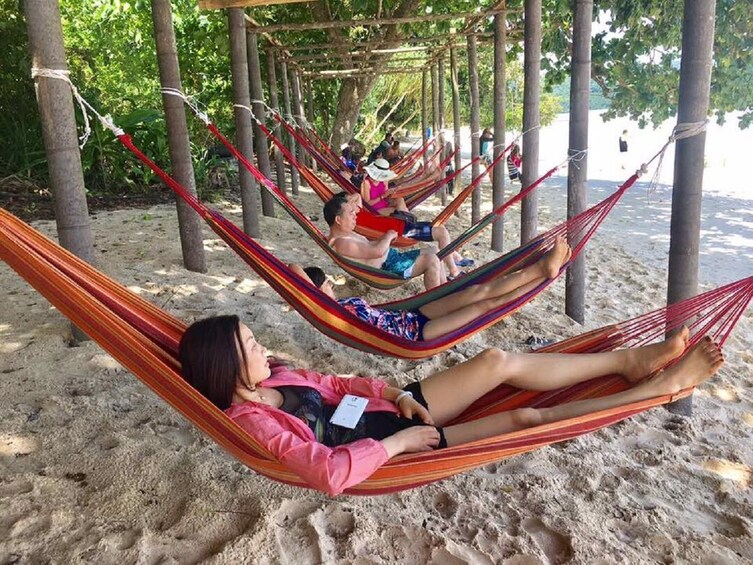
(96, 469)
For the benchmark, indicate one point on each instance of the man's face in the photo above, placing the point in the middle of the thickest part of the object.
(348, 216)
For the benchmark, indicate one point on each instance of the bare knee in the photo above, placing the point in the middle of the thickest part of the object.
(494, 356)
(523, 418)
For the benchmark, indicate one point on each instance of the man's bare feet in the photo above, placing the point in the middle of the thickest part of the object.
(642, 361)
(703, 361)
(555, 257)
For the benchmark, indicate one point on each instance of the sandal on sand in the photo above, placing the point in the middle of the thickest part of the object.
(465, 262)
(536, 341)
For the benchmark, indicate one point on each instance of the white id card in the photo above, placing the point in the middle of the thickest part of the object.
(349, 411)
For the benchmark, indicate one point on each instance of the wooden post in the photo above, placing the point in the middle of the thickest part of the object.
(295, 83)
(424, 111)
(456, 108)
(435, 99)
(310, 112)
(531, 118)
(441, 123)
(244, 139)
(475, 127)
(687, 192)
(274, 103)
(442, 102)
(189, 223)
(498, 174)
(577, 172)
(262, 147)
(288, 112)
(47, 51)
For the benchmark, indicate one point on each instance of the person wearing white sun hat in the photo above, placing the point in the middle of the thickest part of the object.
(375, 190)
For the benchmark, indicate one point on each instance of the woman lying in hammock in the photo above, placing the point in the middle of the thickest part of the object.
(453, 311)
(288, 411)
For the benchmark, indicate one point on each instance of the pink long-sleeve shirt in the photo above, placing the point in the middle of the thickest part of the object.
(291, 441)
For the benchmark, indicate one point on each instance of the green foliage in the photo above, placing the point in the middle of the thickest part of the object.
(112, 59)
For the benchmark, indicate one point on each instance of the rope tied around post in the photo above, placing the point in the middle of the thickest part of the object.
(189, 101)
(63, 75)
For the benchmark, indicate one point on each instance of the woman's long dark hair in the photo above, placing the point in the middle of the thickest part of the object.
(209, 358)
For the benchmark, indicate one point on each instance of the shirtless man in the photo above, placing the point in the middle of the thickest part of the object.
(340, 214)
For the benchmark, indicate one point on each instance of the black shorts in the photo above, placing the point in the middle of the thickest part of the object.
(380, 425)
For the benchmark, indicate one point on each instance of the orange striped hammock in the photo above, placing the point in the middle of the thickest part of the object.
(144, 339)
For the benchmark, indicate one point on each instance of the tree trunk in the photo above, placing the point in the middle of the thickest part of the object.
(295, 84)
(288, 113)
(309, 89)
(456, 108)
(442, 103)
(435, 98)
(531, 118)
(47, 51)
(577, 173)
(424, 111)
(189, 222)
(475, 127)
(687, 192)
(261, 145)
(353, 92)
(244, 139)
(498, 174)
(274, 103)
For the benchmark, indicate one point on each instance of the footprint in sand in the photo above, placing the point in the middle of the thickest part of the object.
(297, 540)
(554, 545)
(15, 488)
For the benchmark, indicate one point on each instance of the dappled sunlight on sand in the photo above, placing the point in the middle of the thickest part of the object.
(748, 418)
(726, 394)
(15, 445)
(737, 472)
(246, 286)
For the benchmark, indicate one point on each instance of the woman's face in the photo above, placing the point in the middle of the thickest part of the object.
(257, 365)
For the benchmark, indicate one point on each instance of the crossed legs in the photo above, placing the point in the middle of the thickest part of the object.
(450, 392)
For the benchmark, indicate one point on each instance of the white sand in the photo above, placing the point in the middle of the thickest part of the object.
(96, 469)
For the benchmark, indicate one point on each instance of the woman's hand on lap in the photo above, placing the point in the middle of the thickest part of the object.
(412, 440)
(410, 407)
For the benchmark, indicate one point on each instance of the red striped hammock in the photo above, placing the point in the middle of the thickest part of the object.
(144, 339)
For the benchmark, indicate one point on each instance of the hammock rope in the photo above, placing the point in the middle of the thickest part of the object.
(144, 339)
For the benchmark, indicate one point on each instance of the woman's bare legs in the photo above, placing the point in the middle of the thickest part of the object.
(457, 319)
(701, 362)
(450, 392)
(546, 267)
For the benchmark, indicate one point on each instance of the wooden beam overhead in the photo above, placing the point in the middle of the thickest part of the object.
(375, 22)
(376, 43)
(222, 4)
(356, 73)
(307, 66)
(358, 54)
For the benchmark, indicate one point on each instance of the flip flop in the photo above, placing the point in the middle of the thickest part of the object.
(465, 262)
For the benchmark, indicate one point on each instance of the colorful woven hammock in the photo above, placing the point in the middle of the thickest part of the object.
(579, 228)
(144, 339)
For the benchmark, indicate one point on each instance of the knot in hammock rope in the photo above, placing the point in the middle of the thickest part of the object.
(189, 101)
(688, 129)
(249, 110)
(62, 74)
(575, 156)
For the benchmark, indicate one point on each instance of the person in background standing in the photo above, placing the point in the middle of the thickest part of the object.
(514, 161)
(487, 145)
(623, 147)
